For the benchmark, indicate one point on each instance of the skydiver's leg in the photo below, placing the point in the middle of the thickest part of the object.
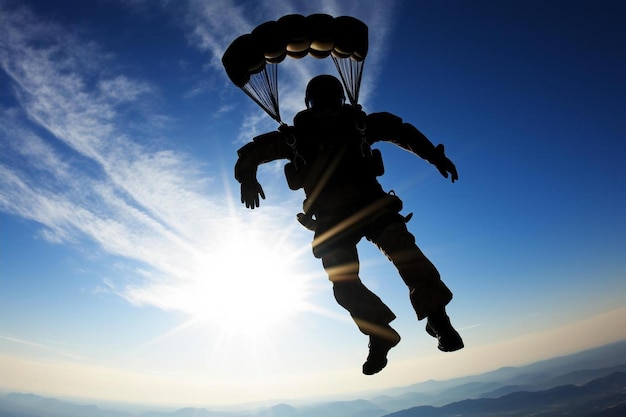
(428, 294)
(366, 308)
(426, 290)
(368, 311)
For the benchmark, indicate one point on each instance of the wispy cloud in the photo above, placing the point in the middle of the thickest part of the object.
(72, 162)
(112, 176)
(39, 346)
(121, 89)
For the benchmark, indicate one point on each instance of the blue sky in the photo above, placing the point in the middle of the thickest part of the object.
(129, 270)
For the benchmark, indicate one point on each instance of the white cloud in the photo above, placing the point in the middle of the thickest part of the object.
(78, 172)
(121, 89)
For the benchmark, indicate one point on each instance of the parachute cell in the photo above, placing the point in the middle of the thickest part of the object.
(298, 42)
(251, 60)
(321, 29)
(272, 41)
(242, 59)
(351, 40)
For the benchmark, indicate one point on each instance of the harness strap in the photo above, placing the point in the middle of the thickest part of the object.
(290, 139)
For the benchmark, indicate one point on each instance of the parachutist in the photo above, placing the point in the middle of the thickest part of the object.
(331, 159)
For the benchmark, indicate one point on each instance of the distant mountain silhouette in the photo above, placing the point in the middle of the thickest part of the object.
(184, 412)
(575, 378)
(590, 384)
(577, 369)
(601, 397)
(29, 405)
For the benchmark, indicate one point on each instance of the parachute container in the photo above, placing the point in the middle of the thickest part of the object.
(251, 61)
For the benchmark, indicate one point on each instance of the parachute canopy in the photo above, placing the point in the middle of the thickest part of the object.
(251, 61)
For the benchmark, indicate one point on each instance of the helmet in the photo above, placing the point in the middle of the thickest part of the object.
(324, 92)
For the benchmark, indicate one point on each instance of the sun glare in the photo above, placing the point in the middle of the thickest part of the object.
(249, 284)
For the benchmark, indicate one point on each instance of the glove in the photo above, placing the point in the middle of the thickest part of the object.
(443, 164)
(250, 192)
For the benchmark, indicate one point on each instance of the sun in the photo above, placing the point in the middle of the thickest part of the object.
(248, 284)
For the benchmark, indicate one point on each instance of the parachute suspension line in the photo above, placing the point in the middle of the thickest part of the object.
(263, 89)
(351, 72)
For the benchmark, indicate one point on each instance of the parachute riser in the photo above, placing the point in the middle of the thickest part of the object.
(351, 74)
(264, 91)
(258, 102)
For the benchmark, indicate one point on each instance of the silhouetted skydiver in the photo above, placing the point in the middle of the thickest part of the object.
(330, 158)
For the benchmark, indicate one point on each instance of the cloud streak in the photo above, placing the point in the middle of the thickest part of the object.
(39, 346)
(73, 162)
(107, 175)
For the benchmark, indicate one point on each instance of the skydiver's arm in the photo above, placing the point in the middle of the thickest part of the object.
(391, 128)
(264, 148)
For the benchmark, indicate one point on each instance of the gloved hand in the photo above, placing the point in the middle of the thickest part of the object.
(250, 192)
(443, 164)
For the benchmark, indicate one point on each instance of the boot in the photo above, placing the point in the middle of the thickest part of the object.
(438, 326)
(379, 347)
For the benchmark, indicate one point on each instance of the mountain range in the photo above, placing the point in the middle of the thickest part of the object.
(590, 383)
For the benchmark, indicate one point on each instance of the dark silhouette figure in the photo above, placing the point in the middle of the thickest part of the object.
(329, 153)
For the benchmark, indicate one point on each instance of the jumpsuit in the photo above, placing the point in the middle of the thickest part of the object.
(332, 161)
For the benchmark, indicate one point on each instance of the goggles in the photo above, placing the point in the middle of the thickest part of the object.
(333, 103)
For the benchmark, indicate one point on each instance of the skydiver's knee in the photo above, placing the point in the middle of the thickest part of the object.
(398, 244)
(341, 265)
(347, 286)
(395, 233)
(430, 272)
(348, 292)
